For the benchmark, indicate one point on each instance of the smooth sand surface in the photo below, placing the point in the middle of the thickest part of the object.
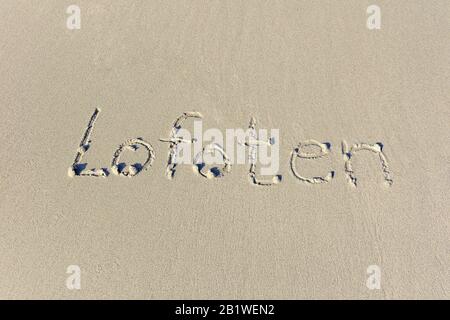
(310, 68)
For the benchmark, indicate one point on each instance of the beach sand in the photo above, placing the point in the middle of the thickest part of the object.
(309, 68)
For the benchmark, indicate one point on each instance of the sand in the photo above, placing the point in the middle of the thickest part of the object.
(309, 68)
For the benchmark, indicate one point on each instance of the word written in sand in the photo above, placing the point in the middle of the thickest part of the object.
(251, 142)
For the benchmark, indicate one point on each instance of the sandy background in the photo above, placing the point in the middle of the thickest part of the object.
(310, 68)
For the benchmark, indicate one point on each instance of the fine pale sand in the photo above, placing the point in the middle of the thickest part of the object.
(310, 68)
